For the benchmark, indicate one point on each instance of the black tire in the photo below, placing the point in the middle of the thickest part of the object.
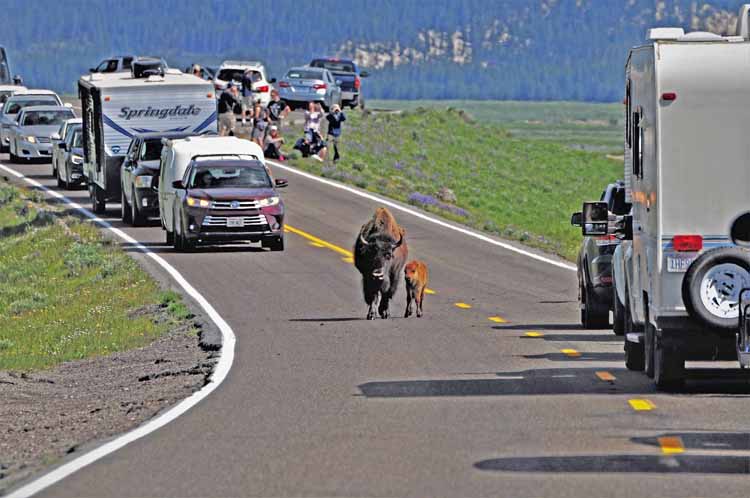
(649, 338)
(14, 159)
(618, 313)
(669, 367)
(54, 169)
(177, 241)
(125, 212)
(635, 354)
(594, 315)
(60, 183)
(63, 183)
(136, 215)
(691, 284)
(169, 237)
(98, 205)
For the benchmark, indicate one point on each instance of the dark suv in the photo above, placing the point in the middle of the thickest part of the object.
(139, 174)
(595, 265)
(348, 76)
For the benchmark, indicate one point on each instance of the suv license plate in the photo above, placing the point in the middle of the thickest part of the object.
(679, 263)
(235, 222)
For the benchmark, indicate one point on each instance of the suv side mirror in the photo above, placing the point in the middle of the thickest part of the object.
(178, 185)
(63, 146)
(364, 74)
(576, 219)
(595, 218)
(272, 80)
(281, 183)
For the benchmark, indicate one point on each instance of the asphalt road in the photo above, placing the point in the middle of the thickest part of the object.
(320, 402)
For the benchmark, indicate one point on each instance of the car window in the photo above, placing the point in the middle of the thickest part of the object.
(45, 118)
(151, 150)
(15, 106)
(127, 62)
(72, 129)
(78, 139)
(340, 66)
(107, 66)
(230, 74)
(617, 202)
(248, 175)
(305, 75)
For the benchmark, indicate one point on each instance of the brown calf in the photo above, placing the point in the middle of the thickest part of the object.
(415, 274)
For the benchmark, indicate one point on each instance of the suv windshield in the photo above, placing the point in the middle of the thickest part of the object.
(244, 175)
(335, 66)
(46, 118)
(15, 106)
(305, 75)
(151, 150)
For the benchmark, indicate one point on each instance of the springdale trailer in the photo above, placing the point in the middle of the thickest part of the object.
(118, 105)
(686, 173)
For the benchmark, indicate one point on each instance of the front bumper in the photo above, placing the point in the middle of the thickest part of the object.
(37, 150)
(147, 200)
(215, 225)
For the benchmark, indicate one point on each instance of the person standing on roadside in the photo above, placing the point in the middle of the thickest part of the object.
(277, 109)
(313, 117)
(335, 118)
(247, 94)
(228, 102)
(260, 125)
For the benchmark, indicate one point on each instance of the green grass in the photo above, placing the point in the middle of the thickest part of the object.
(517, 188)
(67, 293)
(580, 125)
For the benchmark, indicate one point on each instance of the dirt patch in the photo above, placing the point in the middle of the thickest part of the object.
(50, 414)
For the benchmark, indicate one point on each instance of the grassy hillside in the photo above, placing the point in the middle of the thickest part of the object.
(523, 189)
(57, 277)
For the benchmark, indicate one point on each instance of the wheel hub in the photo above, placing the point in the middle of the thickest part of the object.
(720, 289)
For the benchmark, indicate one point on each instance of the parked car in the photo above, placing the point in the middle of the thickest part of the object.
(595, 265)
(62, 135)
(13, 106)
(348, 76)
(302, 85)
(70, 173)
(140, 176)
(234, 70)
(115, 64)
(8, 91)
(217, 189)
(31, 135)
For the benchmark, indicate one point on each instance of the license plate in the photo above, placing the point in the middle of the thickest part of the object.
(679, 263)
(235, 222)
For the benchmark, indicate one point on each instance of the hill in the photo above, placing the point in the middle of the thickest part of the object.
(473, 49)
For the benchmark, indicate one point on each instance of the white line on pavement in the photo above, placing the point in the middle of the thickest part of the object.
(220, 372)
(423, 216)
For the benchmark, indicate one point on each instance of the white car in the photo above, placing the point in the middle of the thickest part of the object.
(233, 71)
(15, 103)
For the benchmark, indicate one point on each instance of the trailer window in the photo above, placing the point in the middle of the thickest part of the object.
(637, 139)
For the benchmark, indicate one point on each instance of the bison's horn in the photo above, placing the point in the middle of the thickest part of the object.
(362, 239)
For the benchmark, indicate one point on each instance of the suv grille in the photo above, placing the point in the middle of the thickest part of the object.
(234, 205)
(221, 221)
(43, 140)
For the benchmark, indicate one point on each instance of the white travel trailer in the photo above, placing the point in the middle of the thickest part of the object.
(686, 169)
(118, 105)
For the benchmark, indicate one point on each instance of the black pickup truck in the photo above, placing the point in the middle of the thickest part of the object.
(350, 77)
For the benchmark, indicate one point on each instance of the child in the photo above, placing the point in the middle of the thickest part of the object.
(415, 274)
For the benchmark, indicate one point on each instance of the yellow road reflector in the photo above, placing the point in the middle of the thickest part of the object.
(463, 306)
(497, 319)
(315, 239)
(671, 445)
(316, 244)
(641, 405)
(570, 352)
(534, 334)
(605, 376)
(347, 259)
(429, 291)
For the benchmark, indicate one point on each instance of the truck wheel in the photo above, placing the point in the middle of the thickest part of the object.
(712, 285)
(650, 340)
(618, 313)
(593, 314)
(669, 367)
(135, 212)
(125, 209)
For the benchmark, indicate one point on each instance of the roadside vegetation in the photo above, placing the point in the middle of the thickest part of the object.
(479, 174)
(66, 292)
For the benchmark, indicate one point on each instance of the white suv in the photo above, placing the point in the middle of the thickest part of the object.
(233, 71)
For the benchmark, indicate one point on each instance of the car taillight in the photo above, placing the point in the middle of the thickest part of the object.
(320, 86)
(284, 84)
(604, 240)
(687, 242)
(357, 82)
(262, 89)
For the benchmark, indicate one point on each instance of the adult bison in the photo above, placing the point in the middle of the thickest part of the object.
(379, 254)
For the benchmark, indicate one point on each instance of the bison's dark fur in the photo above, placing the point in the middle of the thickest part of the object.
(379, 254)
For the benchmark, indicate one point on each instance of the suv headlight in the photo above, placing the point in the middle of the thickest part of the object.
(76, 159)
(144, 181)
(31, 139)
(194, 201)
(269, 201)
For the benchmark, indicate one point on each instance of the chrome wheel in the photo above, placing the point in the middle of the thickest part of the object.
(720, 289)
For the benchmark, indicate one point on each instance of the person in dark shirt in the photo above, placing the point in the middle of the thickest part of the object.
(228, 102)
(335, 118)
(277, 109)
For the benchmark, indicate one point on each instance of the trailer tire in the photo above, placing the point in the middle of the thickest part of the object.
(713, 282)
(98, 205)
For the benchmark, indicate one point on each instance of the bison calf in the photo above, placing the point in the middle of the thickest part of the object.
(415, 274)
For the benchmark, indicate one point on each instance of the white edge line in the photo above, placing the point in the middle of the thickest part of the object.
(217, 377)
(423, 216)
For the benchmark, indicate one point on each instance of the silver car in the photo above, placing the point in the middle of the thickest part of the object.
(13, 106)
(302, 85)
(30, 135)
(63, 134)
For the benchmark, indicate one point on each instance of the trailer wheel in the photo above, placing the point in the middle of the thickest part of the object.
(98, 205)
(711, 287)
(669, 365)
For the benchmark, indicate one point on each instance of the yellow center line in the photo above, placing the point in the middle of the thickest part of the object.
(497, 319)
(463, 306)
(316, 244)
(671, 445)
(605, 376)
(641, 405)
(534, 334)
(347, 259)
(429, 291)
(570, 352)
